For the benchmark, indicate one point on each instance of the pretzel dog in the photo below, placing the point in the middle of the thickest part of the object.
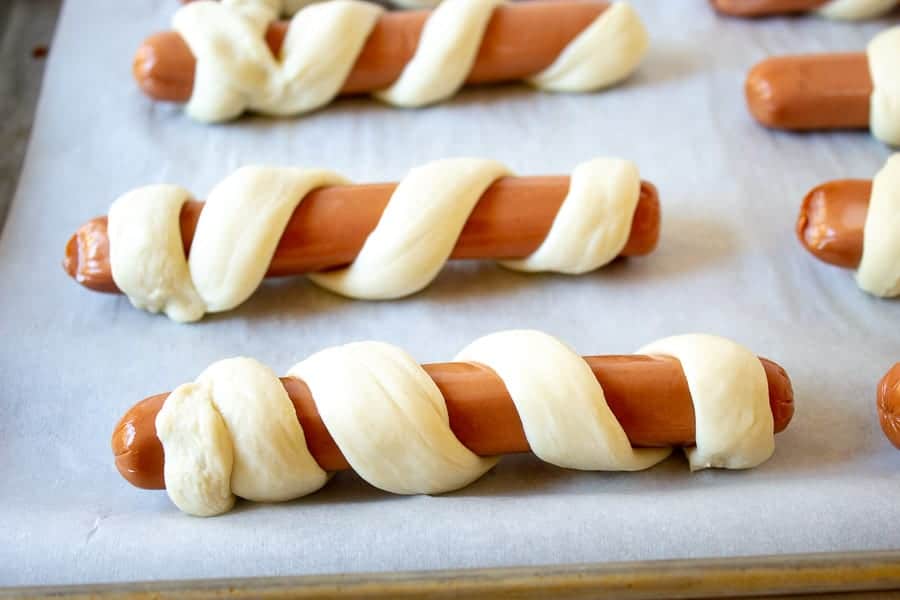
(394, 237)
(831, 91)
(850, 10)
(225, 58)
(497, 395)
(852, 223)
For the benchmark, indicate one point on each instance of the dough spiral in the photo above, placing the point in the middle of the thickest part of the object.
(246, 214)
(879, 270)
(236, 71)
(233, 432)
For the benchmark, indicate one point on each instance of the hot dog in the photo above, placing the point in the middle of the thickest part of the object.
(855, 224)
(849, 10)
(765, 8)
(807, 92)
(648, 395)
(830, 91)
(329, 227)
(889, 404)
(520, 40)
(831, 221)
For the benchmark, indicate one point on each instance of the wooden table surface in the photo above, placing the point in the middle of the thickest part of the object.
(26, 28)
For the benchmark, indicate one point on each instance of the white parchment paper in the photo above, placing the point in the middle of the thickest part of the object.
(73, 361)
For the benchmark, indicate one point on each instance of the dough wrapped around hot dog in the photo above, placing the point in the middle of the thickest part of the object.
(239, 431)
(845, 10)
(856, 224)
(831, 91)
(228, 57)
(371, 242)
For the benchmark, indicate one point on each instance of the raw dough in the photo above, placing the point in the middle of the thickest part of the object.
(147, 254)
(594, 221)
(389, 419)
(604, 54)
(236, 71)
(884, 65)
(245, 216)
(561, 404)
(232, 433)
(416, 232)
(236, 236)
(444, 56)
(879, 270)
(735, 428)
(854, 10)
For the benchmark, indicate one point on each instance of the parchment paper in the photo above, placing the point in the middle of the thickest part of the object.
(73, 361)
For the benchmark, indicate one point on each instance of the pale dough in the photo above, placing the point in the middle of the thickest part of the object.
(240, 226)
(562, 407)
(246, 214)
(416, 232)
(234, 432)
(389, 419)
(231, 433)
(445, 54)
(734, 424)
(879, 270)
(604, 54)
(236, 236)
(236, 71)
(884, 66)
(290, 7)
(147, 254)
(854, 10)
(594, 222)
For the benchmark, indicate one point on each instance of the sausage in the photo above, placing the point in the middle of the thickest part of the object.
(806, 92)
(328, 229)
(889, 404)
(521, 40)
(832, 220)
(648, 395)
(765, 8)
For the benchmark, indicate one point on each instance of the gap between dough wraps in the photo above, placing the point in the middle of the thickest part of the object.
(857, 10)
(246, 214)
(236, 71)
(233, 432)
(879, 269)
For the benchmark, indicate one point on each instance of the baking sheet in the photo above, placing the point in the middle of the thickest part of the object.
(72, 361)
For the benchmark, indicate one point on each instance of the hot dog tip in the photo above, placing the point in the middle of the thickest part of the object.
(889, 404)
(831, 220)
(70, 259)
(852, 223)
(781, 394)
(766, 100)
(764, 8)
(163, 67)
